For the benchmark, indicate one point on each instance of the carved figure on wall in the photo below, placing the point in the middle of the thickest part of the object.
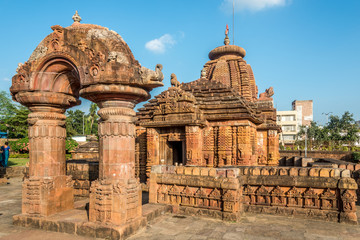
(203, 73)
(173, 80)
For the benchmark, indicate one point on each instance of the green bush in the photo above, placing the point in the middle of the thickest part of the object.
(20, 146)
(70, 145)
(356, 155)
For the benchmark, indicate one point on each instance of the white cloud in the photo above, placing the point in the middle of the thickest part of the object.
(159, 45)
(252, 5)
(6, 79)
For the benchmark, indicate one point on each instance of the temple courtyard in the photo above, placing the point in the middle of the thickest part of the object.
(172, 226)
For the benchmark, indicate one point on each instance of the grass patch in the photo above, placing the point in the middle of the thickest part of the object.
(12, 162)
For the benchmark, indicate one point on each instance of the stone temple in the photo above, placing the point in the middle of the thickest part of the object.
(215, 121)
(207, 147)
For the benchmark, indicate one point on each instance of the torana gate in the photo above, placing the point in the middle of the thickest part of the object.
(93, 62)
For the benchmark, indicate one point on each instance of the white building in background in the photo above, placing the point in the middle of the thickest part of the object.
(290, 121)
(79, 138)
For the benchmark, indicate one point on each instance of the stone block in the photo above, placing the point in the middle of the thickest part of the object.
(325, 172)
(49, 225)
(293, 171)
(314, 172)
(305, 161)
(303, 172)
(212, 172)
(337, 172)
(350, 167)
(196, 171)
(246, 171)
(343, 166)
(180, 170)
(33, 222)
(204, 172)
(230, 173)
(297, 161)
(283, 172)
(188, 170)
(357, 167)
(87, 229)
(156, 169)
(273, 171)
(221, 173)
(255, 171)
(264, 172)
(67, 227)
(345, 173)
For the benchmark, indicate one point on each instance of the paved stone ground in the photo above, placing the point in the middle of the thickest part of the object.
(10, 204)
(177, 227)
(251, 227)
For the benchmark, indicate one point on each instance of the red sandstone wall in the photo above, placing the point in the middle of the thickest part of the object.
(317, 154)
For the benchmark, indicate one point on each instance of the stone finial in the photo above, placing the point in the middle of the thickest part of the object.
(19, 67)
(227, 40)
(76, 17)
(203, 73)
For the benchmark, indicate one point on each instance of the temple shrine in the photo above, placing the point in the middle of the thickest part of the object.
(184, 143)
(215, 121)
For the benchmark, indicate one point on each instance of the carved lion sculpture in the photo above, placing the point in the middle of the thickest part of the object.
(267, 94)
(148, 75)
(173, 80)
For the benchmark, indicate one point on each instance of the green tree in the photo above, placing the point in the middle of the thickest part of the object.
(74, 122)
(338, 131)
(91, 125)
(347, 131)
(316, 135)
(7, 109)
(78, 123)
(17, 123)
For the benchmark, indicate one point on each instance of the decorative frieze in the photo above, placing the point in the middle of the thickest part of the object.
(273, 190)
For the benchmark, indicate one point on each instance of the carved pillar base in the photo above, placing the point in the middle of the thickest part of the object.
(47, 195)
(115, 201)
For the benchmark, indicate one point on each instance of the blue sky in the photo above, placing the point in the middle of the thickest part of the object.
(305, 49)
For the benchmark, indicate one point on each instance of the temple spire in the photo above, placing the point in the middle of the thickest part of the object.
(76, 17)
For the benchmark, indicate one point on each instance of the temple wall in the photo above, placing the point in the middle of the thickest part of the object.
(343, 155)
(226, 193)
(83, 173)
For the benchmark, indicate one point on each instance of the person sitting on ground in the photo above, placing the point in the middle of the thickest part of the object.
(5, 154)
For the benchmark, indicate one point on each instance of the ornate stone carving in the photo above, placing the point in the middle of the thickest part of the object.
(148, 76)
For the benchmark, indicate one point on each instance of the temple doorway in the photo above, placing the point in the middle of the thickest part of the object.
(177, 150)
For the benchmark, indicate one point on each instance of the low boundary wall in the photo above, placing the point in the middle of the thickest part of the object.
(226, 193)
(342, 155)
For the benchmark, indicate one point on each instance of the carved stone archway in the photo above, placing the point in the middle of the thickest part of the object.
(95, 63)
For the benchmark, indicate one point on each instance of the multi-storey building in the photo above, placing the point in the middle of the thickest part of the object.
(290, 121)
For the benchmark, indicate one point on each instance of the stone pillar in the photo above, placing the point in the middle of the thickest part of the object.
(140, 157)
(244, 146)
(116, 196)
(273, 148)
(194, 146)
(153, 145)
(47, 190)
(348, 187)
